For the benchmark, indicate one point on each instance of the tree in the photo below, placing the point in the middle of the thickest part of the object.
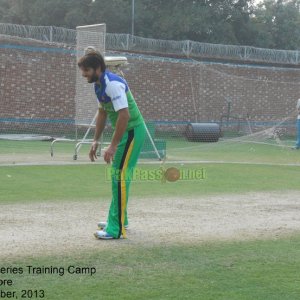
(4, 8)
(208, 21)
(272, 24)
(115, 13)
(278, 24)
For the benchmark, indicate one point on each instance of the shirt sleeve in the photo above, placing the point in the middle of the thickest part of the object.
(116, 91)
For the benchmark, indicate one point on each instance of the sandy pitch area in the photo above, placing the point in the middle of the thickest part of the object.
(54, 228)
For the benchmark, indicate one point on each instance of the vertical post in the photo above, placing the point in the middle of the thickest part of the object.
(152, 142)
(247, 52)
(51, 34)
(188, 48)
(228, 111)
(132, 18)
(127, 41)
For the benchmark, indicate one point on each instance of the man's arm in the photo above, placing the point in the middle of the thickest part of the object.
(116, 91)
(100, 124)
(121, 125)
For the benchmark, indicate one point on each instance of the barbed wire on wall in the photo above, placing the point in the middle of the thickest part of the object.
(127, 42)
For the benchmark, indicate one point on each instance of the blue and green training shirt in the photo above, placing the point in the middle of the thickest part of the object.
(114, 94)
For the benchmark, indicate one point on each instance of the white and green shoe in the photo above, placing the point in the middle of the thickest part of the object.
(102, 225)
(103, 235)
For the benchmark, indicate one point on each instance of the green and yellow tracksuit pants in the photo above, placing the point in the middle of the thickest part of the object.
(125, 160)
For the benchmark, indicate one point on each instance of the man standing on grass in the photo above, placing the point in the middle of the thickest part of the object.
(117, 103)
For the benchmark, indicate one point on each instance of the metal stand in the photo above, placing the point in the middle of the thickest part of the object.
(79, 143)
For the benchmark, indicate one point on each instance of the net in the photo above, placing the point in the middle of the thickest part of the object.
(194, 110)
(85, 99)
(220, 112)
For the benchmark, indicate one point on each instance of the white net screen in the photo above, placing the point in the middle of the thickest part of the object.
(85, 100)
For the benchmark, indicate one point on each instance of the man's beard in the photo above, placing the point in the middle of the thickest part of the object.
(94, 78)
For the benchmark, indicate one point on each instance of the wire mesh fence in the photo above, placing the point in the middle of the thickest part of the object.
(127, 42)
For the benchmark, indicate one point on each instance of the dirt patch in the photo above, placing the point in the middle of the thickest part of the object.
(58, 228)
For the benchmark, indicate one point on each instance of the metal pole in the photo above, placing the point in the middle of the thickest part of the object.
(132, 18)
(152, 142)
(51, 34)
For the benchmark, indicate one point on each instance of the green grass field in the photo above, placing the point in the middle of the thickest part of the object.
(255, 269)
(235, 270)
(55, 183)
(178, 149)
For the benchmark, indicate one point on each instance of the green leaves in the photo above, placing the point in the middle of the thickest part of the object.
(278, 24)
(271, 24)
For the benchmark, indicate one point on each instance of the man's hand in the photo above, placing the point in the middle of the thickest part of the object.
(109, 153)
(93, 151)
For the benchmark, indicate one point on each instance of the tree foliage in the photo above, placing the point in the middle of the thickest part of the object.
(271, 24)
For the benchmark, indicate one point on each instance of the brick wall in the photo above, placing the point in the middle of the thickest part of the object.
(39, 85)
(182, 91)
